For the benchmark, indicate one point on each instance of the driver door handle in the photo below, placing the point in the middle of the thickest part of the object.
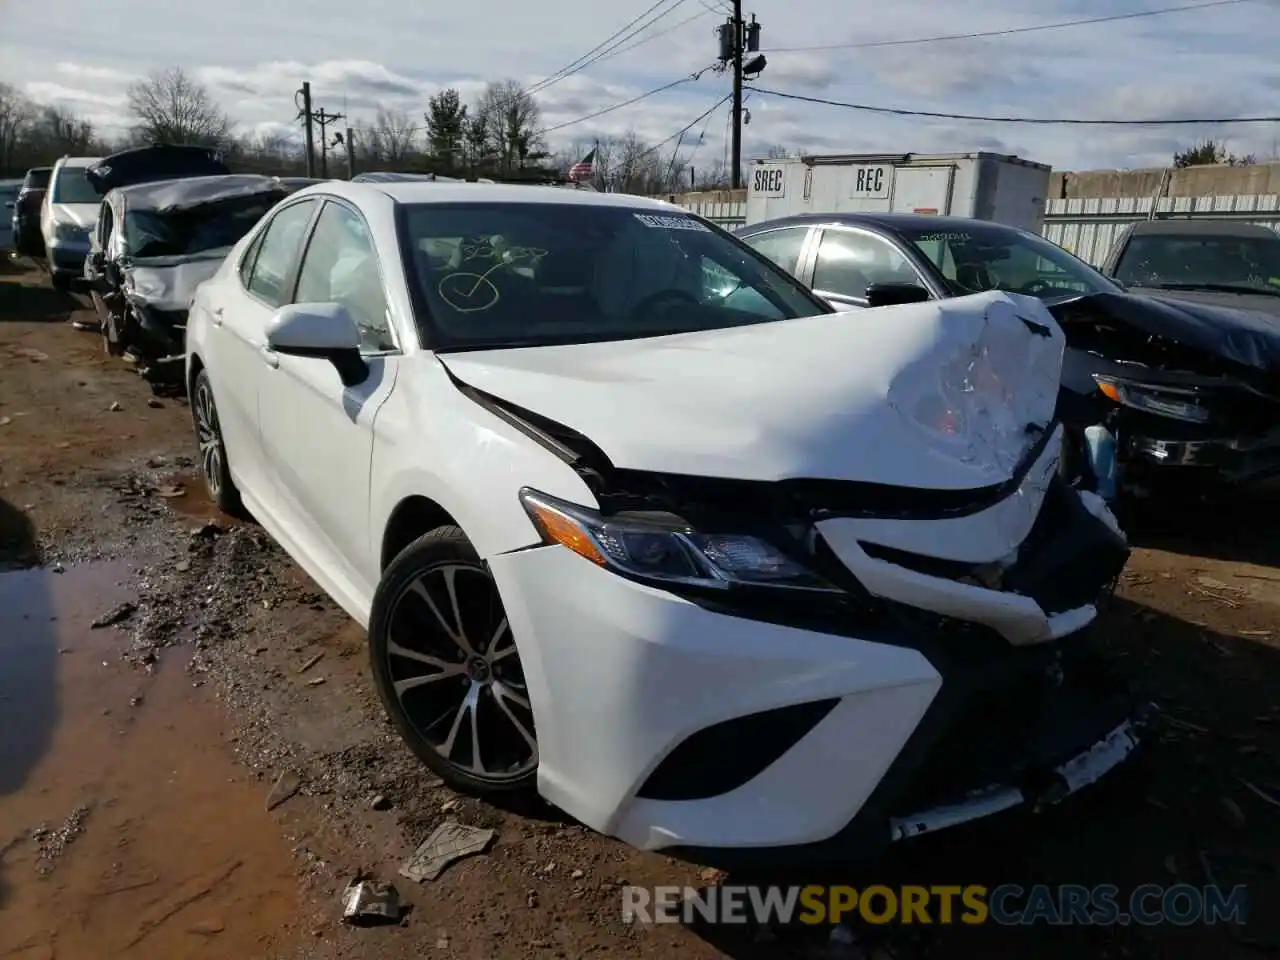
(217, 316)
(269, 356)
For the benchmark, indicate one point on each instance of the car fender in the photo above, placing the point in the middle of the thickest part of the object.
(435, 442)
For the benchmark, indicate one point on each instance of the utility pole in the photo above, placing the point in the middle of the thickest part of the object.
(304, 113)
(737, 38)
(351, 154)
(324, 119)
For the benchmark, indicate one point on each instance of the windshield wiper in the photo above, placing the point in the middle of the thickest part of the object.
(1211, 288)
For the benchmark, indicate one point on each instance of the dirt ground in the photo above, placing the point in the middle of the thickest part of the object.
(136, 758)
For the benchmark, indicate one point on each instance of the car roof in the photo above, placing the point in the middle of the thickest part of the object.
(420, 191)
(1201, 228)
(79, 161)
(884, 221)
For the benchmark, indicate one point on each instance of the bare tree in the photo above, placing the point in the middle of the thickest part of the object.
(63, 131)
(16, 114)
(391, 138)
(171, 107)
(512, 118)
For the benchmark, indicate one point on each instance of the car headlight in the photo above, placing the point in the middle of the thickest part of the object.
(664, 549)
(69, 231)
(1180, 403)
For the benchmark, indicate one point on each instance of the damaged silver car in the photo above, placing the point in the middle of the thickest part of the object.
(156, 242)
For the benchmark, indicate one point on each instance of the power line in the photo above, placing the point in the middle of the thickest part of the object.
(653, 36)
(900, 112)
(609, 45)
(626, 103)
(689, 126)
(1010, 31)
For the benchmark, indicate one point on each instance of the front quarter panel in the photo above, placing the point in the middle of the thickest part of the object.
(434, 442)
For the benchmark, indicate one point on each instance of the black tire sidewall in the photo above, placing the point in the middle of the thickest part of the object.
(227, 497)
(442, 545)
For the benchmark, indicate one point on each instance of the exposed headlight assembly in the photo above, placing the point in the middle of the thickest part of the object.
(664, 549)
(1180, 403)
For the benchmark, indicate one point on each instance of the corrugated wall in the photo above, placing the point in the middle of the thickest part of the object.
(1086, 227)
(1089, 227)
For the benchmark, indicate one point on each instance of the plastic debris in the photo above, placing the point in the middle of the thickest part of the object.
(286, 785)
(449, 842)
(366, 902)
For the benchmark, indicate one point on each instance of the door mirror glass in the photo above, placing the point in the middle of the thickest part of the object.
(324, 331)
(890, 294)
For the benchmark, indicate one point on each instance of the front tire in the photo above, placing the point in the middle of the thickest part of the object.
(214, 466)
(447, 670)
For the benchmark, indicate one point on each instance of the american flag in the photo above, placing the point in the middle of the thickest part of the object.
(584, 168)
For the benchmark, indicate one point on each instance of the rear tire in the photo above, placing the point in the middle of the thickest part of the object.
(60, 282)
(214, 466)
(447, 669)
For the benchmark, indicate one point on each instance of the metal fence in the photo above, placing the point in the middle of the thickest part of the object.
(1086, 227)
(1089, 227)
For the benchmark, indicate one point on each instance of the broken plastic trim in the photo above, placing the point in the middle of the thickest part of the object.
(809, 498)
(1078, 772)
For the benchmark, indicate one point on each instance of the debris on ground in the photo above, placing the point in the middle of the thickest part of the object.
(380, 802)
(171, 492)
(315, 682)
(117, 614)
(53, 843)
(311, 662)
(449, 842)
(366, 902)
(286, 786)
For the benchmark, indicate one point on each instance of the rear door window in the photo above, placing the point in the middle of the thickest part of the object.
(273, 266)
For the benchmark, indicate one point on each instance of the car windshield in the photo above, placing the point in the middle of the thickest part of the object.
(528, 274)
(1249, 263)
(990, 256)
(71, 186)
(212, 226)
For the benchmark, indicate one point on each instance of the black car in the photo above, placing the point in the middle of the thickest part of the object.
(27, 239)
(1227, 263)
(1149, 383)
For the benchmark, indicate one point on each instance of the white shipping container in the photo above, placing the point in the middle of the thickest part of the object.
(987, 186)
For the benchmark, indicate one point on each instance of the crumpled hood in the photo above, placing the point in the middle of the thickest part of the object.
(944, 395)
(168, 283)
(83, 215)
(1244, 336)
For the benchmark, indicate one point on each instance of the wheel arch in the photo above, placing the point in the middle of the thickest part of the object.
(412, 517)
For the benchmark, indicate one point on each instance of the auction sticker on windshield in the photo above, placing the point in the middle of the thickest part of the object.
(936, 237)
(670, 223)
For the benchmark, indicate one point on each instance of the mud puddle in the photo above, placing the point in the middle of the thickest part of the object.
(125, 827)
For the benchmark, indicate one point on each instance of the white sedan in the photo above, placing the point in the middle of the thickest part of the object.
(632, 518)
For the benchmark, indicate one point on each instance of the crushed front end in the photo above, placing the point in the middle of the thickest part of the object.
(1155, 392)
(802, 669)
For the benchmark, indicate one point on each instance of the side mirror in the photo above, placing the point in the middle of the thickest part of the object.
(891, 294)
(324, 331)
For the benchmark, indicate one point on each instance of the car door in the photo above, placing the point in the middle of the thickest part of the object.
(319, 434)
(240, 306)
(848, 260)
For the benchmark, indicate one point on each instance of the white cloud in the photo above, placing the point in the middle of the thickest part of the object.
(254, 56)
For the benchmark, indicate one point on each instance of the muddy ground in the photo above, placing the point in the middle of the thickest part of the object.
(137, 757)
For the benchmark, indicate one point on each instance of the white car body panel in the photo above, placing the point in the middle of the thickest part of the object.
(937, 395)
(834, 396)
(617, 708)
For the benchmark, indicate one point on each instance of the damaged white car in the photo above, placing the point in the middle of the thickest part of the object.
(631, 516)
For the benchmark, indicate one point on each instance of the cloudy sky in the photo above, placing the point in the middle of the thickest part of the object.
(1216, 62)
